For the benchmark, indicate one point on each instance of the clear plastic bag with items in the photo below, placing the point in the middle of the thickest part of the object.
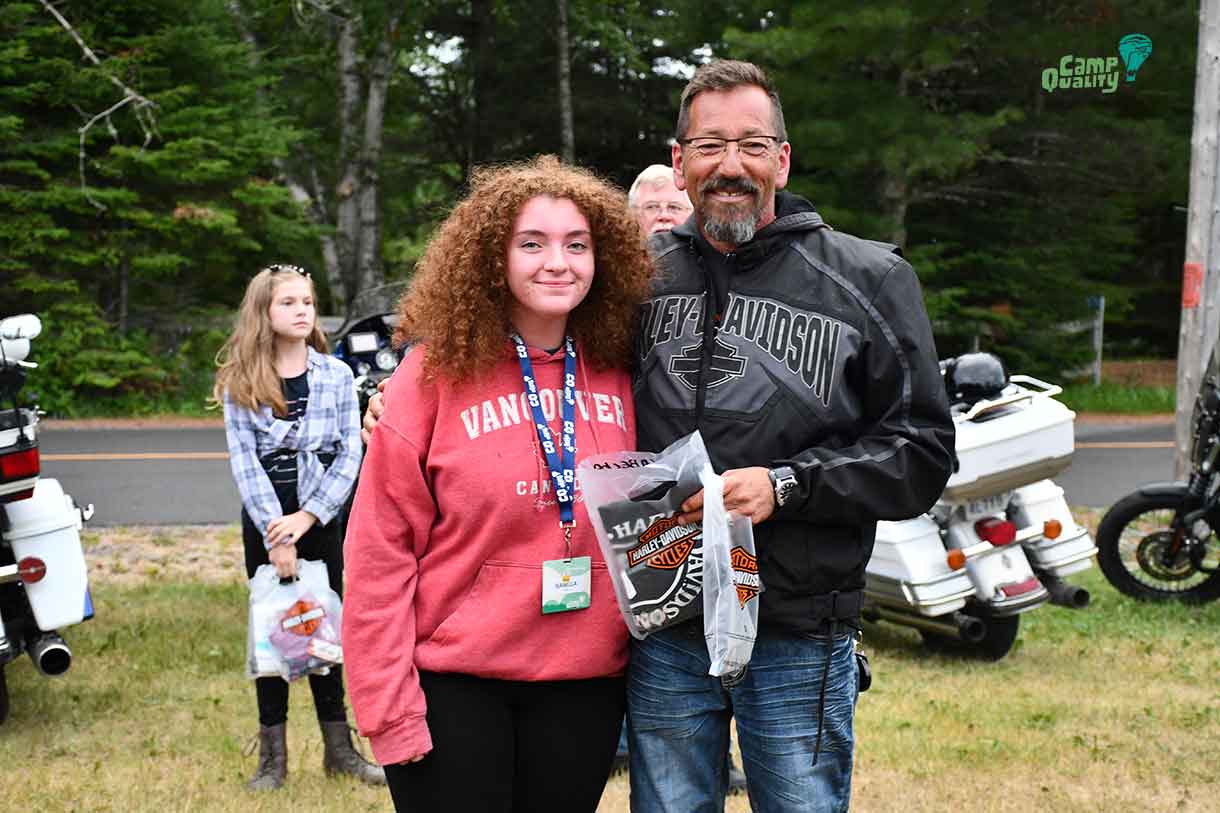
(659, 567)
(294, 627)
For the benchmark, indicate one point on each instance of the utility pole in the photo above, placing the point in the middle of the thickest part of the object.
(1201, 274)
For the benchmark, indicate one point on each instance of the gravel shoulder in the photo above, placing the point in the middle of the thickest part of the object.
(129, 556)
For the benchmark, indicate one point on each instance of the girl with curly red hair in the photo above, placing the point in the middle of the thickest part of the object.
(485, 649)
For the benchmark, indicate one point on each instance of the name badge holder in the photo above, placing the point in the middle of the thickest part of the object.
(566, 583)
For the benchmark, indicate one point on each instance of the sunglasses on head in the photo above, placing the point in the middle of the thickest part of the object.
(284, 268)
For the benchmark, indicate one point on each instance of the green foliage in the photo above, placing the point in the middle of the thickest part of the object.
(926, 125)
(1119, 399)
(920, 123)
(86, 368)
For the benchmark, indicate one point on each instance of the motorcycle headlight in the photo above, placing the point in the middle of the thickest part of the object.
(386, 359)
(362, 368)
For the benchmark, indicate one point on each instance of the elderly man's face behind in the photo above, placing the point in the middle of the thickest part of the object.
(733, 192)
(660, 208)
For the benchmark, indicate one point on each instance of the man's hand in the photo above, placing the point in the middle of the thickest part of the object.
(288, 529)
(284, 558)
(373, 413)
(747, 493)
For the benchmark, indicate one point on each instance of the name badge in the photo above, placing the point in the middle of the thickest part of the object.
(566, 584)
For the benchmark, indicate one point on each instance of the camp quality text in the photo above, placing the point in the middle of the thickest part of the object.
(1077, 72)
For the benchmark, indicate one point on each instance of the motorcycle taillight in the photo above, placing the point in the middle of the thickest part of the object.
(996, 531)
(18, 465)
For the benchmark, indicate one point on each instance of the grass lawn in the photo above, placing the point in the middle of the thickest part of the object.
(1119, 398)
(1114, 708)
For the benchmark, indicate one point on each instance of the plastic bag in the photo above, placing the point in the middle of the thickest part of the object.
(656, 565)
(730, 582)
(294, 627)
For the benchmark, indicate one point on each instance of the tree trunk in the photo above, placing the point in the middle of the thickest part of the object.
(895, 191)
(310, 199)
(483, 54)
(124, 290)
(347, 212)
(566, 129)
(370, 273)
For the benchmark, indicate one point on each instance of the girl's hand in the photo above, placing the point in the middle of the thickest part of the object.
(284, 558)
(288, 530)
(416, 758)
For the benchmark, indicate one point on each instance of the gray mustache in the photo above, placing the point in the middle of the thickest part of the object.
(730, 185)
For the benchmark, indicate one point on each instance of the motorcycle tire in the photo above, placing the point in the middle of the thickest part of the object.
(998, 640)
(1121, 562)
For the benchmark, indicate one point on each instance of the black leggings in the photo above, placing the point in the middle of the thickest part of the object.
(501, 746)
(322, 542)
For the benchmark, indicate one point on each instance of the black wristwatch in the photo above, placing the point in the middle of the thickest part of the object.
(783, 480)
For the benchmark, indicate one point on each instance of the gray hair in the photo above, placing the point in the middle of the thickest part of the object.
(654, 175)
(726, 74)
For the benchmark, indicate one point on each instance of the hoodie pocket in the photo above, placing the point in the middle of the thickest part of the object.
(498, 630)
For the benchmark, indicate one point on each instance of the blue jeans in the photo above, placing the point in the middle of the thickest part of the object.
(679, 731)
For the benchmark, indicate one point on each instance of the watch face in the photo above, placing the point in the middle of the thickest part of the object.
(785, 485)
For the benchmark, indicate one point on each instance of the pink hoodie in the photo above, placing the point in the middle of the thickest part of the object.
(453, 518)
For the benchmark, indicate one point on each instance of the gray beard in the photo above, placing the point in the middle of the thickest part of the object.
(732, 232)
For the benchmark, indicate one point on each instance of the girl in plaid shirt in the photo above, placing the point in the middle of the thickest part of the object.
(292, 423)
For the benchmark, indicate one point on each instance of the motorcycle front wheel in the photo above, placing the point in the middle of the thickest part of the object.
(1133, 544)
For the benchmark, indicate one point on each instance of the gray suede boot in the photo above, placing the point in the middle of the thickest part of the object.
(272, 758)
(340, 756)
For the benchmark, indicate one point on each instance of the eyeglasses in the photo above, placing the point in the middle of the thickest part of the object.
(675, 209)
(284, 268)
(755, 146)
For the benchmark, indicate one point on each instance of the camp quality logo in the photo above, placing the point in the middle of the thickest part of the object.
(1102, 73)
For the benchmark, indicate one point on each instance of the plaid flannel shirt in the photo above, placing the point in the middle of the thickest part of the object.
(331, 423)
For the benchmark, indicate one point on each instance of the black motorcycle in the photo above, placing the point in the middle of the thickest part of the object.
(363, 341)
(1160, 543)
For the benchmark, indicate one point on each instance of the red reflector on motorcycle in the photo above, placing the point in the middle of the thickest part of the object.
(17, 495)
(19, 465)
(32, 569)
(996, 531)
(1019, 588)
(1052, 528)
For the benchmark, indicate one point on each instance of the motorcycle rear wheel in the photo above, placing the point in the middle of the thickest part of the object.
(997, 642)
(1130, 540)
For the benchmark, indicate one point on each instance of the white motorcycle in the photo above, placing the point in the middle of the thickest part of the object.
(1001, 539)
(43, 576)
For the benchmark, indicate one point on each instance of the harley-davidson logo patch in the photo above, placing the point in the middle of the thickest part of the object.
(665, 545)
(745, 574)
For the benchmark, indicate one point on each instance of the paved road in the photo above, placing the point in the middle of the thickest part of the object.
(181, 476)
(161, 476)
(1112, 460)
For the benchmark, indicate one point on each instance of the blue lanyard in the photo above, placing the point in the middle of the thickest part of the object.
(562, 466)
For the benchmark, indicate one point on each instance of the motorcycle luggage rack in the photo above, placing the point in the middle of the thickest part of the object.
(984, 407)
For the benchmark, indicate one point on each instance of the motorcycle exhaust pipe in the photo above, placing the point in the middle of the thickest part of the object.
(1064, 594)
(51, 655)
(958, 625)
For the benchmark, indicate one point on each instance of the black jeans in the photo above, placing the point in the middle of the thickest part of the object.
(323, 543)
(502, 745)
